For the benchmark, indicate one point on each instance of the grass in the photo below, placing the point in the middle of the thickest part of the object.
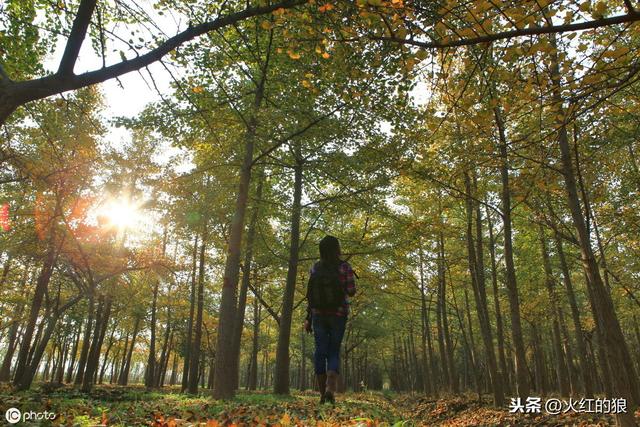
(136, 406)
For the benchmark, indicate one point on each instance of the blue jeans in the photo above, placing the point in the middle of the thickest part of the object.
(327, 332)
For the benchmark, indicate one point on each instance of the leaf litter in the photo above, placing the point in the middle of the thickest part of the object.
(137, 406)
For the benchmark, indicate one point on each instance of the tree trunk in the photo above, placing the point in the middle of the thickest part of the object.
(194, 368)
(303, 361)
(174, 370)
(246, 275)
(45, 371)
(105, 362)
(427, 380)
(601, 352)
(281, 379)
(253, 372)
(584, 366)
(440, 313)
(74, 353)
(538, 358)
(566, 345)
(623, 377)
(123, 360)
(86, 339)
(468, 355)
(164, 355)
(496, 303)
(12, 343)
(453, 377)
(59, 373)
(124, 374)
(192, 305)
(163, 373)
(41, 326)
(24, 381)
(151, 360)
(626, 356)
(5, 272)
(115, 367)
(41, 286)
(522, 377)
(102, 321)
(559, 359)
(476, 271)
(636, 328)
(471, 344)
(224, 378)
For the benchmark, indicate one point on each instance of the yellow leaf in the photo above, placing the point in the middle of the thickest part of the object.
(616, 53)
(591, 78)
(421, 54)
(466, 32)
(600, 9)
(293, 55)
(326, 55)
(286, 420)
(568, 17)
(198, 89)
(441, 28)
(410, 64)
(326, 7)
(266, 25)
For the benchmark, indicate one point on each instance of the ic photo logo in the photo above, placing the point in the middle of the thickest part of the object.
(13, 415)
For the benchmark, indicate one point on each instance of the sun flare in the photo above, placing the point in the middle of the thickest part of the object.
(122, 214)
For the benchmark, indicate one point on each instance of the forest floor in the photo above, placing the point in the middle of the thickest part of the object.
(136, 406)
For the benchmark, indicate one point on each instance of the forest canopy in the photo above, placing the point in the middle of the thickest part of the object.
(477, 160)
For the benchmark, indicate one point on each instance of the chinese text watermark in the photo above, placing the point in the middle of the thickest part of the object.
(552, 405)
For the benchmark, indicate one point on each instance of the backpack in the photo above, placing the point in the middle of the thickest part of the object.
(325, 291)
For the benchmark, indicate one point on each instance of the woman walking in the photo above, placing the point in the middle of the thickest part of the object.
(331, 283)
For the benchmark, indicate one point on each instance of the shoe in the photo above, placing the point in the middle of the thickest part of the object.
(329, 398)
(332, 386)
(322, 386)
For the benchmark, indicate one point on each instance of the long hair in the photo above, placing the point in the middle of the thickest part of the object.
(329, 250)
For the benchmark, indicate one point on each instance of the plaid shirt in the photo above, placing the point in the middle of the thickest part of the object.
(347, 278)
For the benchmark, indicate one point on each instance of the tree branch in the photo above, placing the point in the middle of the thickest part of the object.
(265, 304)
(630, 9)
(76, 37)
(20, 93)
(4, 77)
(298, 132)
(631, 16)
